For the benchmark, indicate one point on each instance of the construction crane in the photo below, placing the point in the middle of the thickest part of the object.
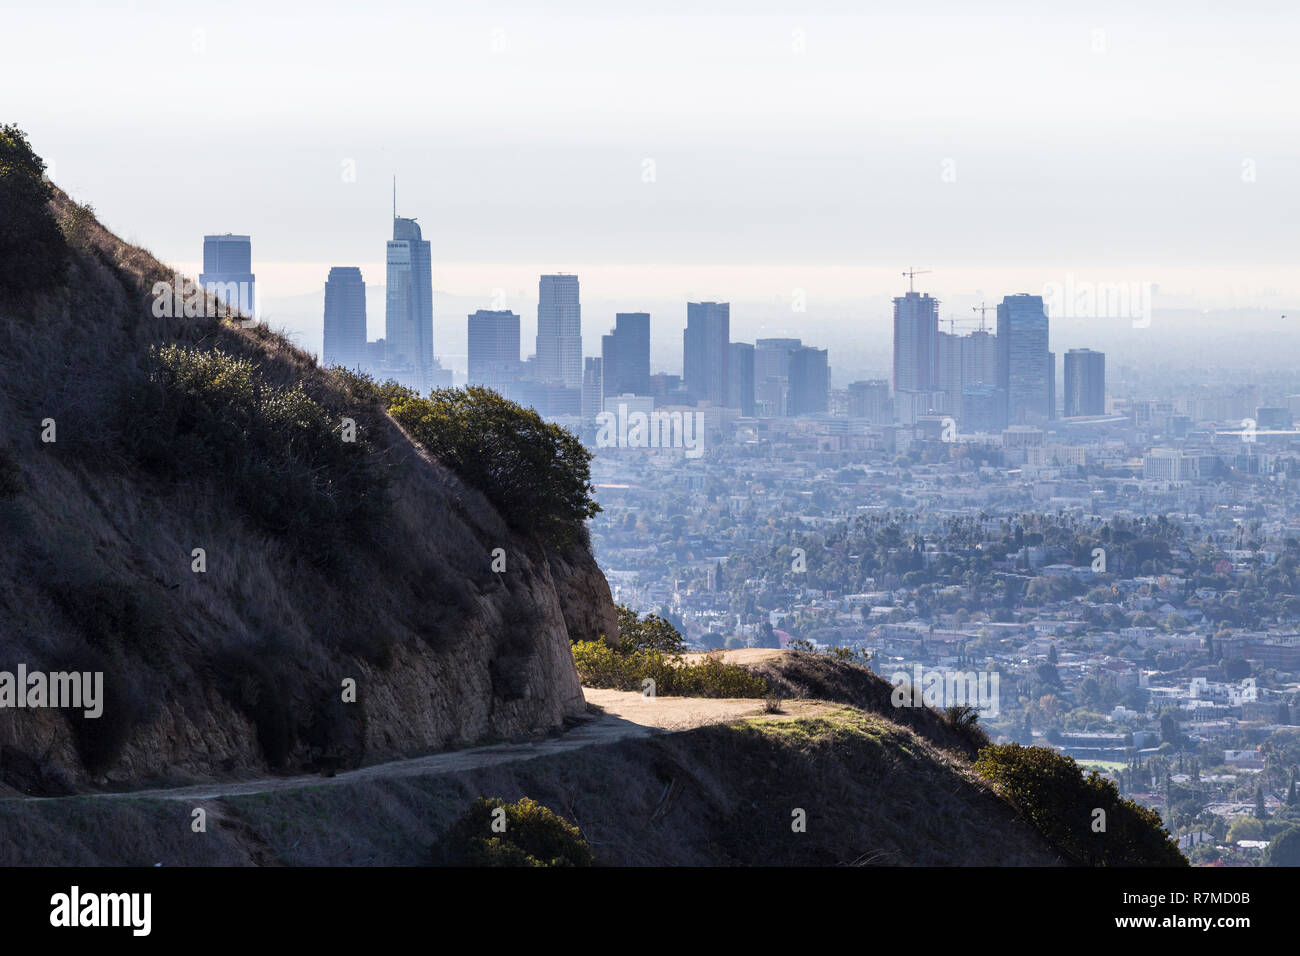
(981, 309)
(911, 275)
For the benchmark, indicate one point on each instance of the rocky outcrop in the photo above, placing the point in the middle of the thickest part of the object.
(584, 597)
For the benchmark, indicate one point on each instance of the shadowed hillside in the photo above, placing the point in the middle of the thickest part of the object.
(872, 793)
(323, 559)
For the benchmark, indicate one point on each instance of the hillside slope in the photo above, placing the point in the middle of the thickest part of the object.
(241, 666)
(871, 792)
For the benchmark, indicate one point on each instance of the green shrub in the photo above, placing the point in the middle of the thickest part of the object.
(960, 716)
(1245, 828)
(1285, 849)
(33, 250)
(853, 655)
(600, 665)
(649, 633)
(280, 454)
(965, 722)
(1052, 793)
(536, 474)
(77, 222)
(712, 678)
(362, 387)
(533, 835)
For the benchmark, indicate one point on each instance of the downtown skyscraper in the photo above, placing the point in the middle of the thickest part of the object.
(740, 378)
(625, 355)
(916, 343)
(705, 358)
(493, 339)
(810, 381)
(559, 331)
(1085, 382)
(345, 318)
(408, 325)
(966, 363)
(772, 375)
(1025, 368)
(228, 272)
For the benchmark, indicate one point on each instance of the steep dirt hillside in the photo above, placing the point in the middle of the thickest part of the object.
(366, 562)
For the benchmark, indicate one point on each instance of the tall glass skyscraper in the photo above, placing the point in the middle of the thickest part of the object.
(493, 349)
(965, 361)
(228, 272)
(810, 381)
(593, 387)
(772, 375)
(740, 381)
(559, 331)
(705, 360)
(408, 325)
(1024, 367)
(916, 343)
(345, 318)
(625, 355)
(1085, 382)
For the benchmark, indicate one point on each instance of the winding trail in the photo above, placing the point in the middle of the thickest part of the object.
(626, 714)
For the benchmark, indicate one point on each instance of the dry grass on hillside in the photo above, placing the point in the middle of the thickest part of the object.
(820, 676)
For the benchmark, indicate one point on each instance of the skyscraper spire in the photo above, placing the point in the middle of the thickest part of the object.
(408, 307)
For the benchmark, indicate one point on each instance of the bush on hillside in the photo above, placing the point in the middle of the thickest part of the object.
(526, 834)
(33, 250)
(600, 665)
(859, 655)
(78, 222)
(1051, 791)
(536, 474)
(652, 632)
(280, 454)
(362, 387)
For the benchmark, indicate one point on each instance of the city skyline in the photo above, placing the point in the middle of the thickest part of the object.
(1120, 313)
(978, 380)
(696, 114)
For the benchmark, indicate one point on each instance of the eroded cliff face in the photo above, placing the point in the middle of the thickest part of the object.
(267, 659)
(502, 670)
(584, 596)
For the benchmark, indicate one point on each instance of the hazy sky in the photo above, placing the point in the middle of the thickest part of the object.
(737, 151)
